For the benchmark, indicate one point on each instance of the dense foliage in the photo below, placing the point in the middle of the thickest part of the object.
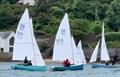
(85, 16)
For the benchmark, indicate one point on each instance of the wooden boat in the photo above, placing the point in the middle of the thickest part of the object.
(65, 48)
(25, 45)
(72, 68)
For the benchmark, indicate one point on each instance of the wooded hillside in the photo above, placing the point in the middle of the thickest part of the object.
(85, 17)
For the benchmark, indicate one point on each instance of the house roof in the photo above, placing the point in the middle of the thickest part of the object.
(4, 35)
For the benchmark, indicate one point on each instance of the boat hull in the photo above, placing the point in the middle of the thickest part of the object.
(72, 68)
(104, 66)
(29, 68)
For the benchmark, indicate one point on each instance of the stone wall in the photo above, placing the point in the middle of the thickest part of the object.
(5, 56)
(87, 52)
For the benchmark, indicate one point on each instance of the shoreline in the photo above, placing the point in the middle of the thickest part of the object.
(47, 61)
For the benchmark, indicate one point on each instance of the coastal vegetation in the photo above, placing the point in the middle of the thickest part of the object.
(85, 17)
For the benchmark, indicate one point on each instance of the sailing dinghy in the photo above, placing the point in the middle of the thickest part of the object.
(104, 54)
(64, 48)
(26, 45)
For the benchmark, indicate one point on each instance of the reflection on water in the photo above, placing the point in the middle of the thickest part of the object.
(6, 71)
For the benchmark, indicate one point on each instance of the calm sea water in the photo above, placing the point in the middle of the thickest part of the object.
(6, 71)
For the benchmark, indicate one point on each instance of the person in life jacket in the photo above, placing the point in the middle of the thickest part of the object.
(114, 59)
(29, 63)
(25, 60)
(66, 62)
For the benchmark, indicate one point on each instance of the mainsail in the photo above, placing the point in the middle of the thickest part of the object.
(104, 52)
(62, 46)
(23, 41)
(25, 44)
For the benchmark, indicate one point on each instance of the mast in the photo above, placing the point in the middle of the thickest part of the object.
(38, 60)
(72, 48)
(31, 28)
(71, 42)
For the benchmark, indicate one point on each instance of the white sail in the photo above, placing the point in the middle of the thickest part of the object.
(23, 41)
(37, 59)
(76, 54)
(79, 47)
(94, 55)
(62, 46)
(104, 52)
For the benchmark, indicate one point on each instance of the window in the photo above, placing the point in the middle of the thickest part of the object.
(11, 49)
(1, 49)
(11, 41)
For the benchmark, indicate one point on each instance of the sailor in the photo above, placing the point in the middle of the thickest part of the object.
(66, 62)
(114, 59)
(29, 63)
(107, 63)
(25, 60)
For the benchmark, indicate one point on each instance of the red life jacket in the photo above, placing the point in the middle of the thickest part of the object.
(66, 63)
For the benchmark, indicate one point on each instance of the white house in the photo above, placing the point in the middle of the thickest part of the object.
(6, 41)
(29, 2)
